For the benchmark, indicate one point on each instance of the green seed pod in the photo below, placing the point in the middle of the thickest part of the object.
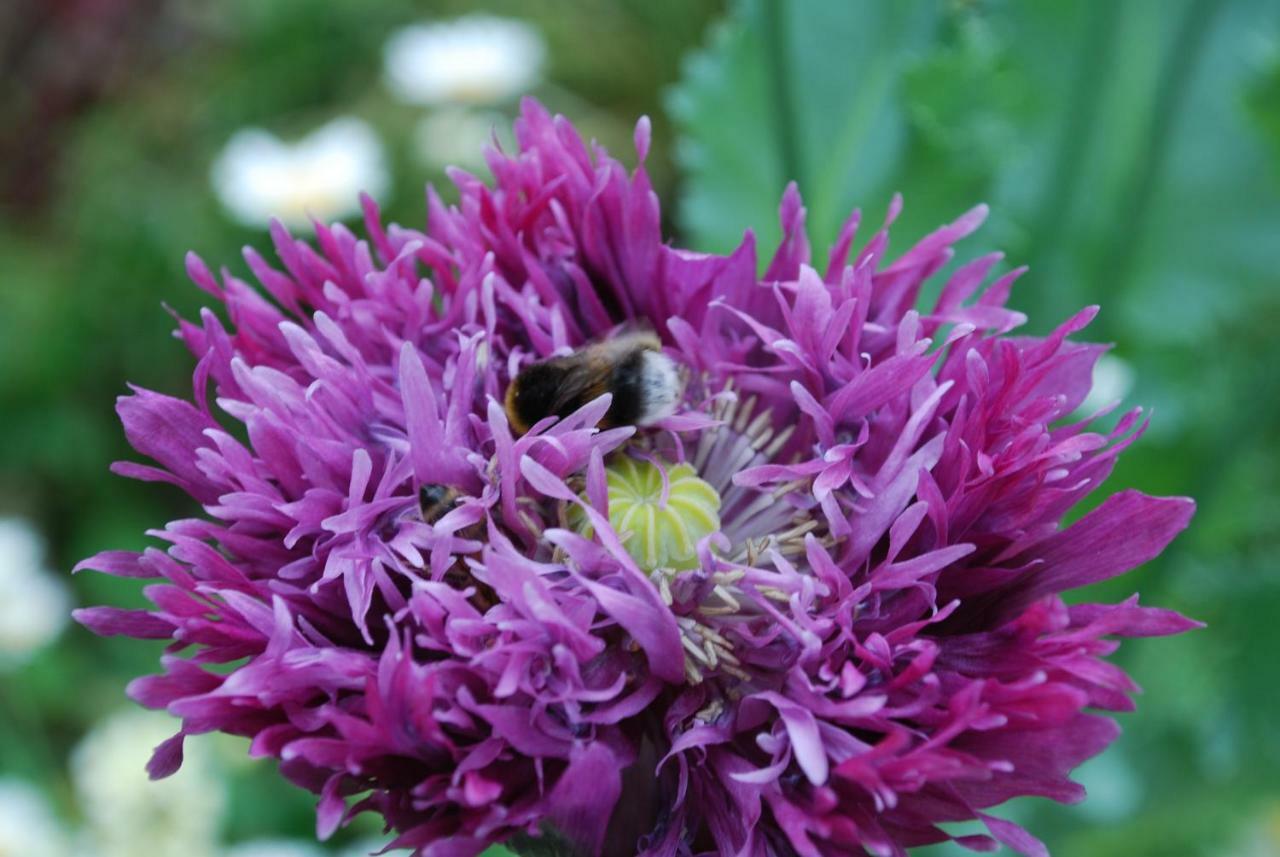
(658, 534)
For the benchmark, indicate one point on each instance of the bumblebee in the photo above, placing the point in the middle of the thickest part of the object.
(435, 501)
(645, 383)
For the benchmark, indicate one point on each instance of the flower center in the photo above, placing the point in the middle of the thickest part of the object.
(661, 511)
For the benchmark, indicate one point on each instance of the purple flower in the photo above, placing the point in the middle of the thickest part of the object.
(866, 640)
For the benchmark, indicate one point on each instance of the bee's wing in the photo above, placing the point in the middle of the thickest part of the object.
(585, 376)
(617, 347)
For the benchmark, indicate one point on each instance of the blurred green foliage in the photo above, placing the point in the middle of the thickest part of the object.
(1130, 152)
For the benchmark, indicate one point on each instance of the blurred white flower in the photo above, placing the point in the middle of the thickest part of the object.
(28, 827)
(1112, 380)
(34, 604)
(456, 137)
(1261, 836)
(126, 814)
(275, 848)
(258, 176)
(478, 59)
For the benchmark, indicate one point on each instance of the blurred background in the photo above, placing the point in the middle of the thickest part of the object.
(1130, 150)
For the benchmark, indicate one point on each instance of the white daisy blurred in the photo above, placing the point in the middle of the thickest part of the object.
(126, 814)
(456, 137)
(1261, 835)
(479, 59)
(258, 176)
(28, 827)
(34, 604)
(1112, 380)
(275, 848)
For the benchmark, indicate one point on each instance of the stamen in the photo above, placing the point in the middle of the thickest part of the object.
(760, 504)
(799, 531)
(710, 711)
(530, 522)
(727, 657)
(774, 594)
(710, 649)
(744, 414)
(760, 422)
(728, 598)
(783, 490)
(664, 589)
(692, 648)
(779, 442)
(691, 672)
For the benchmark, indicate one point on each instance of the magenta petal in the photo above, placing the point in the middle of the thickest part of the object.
(116, 621)
(170, 431)
(545, 481)
(167, 758)
(652, 628)
(1014, 836)
(1130, 620)
(802, 729)
(117, 564)
(431, 463)
(1127, 530)
(331, 809)
(584, 797)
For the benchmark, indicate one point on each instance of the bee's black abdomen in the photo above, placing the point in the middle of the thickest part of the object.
(628, 388)
(536, 392)
(432, 495)
(435, 500)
